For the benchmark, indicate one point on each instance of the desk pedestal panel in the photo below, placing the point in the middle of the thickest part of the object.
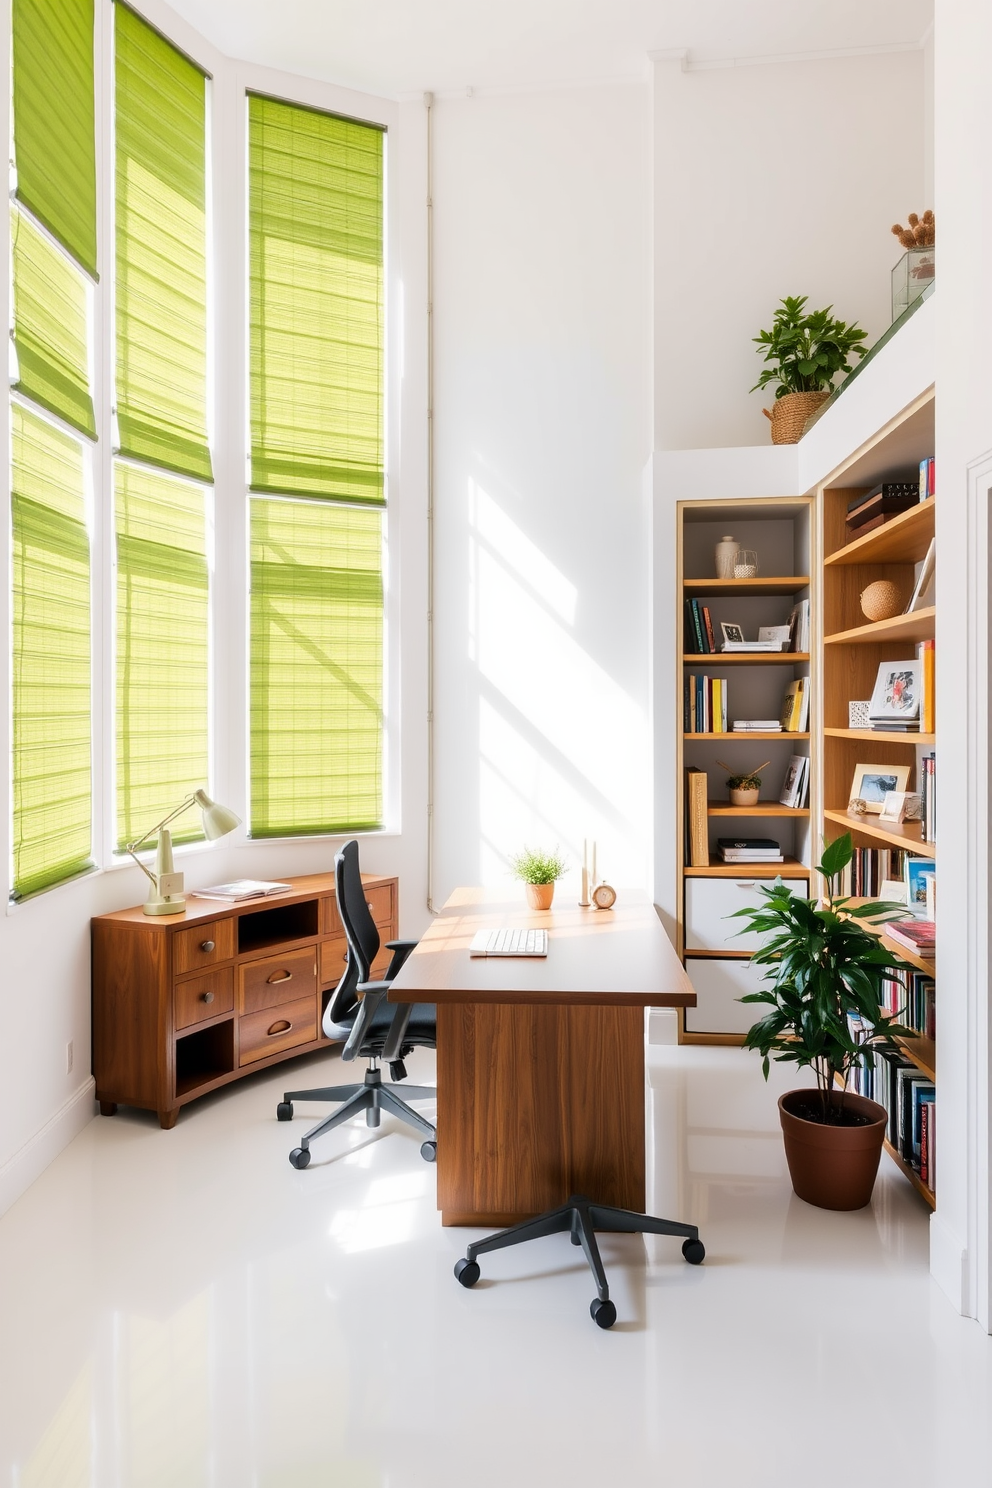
(536, 1103)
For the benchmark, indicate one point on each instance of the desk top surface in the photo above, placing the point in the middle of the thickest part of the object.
(619, 956)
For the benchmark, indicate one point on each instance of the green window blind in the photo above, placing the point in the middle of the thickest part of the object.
(316, 668)
(161, 290)
(51, 659)
(162, 640)
(54, 134)
(316, 312)
(50, 327)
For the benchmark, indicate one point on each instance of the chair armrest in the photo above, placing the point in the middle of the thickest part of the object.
(401, 950)
(397, 1031)
(371, 994)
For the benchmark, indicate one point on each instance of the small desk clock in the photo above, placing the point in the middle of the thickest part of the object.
(604, 896)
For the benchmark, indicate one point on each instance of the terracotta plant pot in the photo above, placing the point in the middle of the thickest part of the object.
(539, 896)
(741, 797)
(789, 414)
(831, 1166)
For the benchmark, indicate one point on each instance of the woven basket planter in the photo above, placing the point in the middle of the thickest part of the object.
(789, 414)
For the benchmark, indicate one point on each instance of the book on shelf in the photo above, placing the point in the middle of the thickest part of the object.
(795, 706)
(928, 478)
(911, 998)
(757, 726)
(796, 783)
(242, 888)
(884, 501)
(908, 1096)
(697, 850)
(704, 704)
(698, 629)
(799, 626)
(918, 935)
(927, 654)
(758, 647)
(928, 794)
(749, 850)
(870, 868)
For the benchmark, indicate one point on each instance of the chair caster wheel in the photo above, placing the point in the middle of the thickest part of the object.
(428, 1151)
(693, 1251)
(300, 1157)
(603, 1314)
(467, 1272)
(284, 1111)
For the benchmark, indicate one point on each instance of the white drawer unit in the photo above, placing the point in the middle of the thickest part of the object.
(708, 902)
(718, 985)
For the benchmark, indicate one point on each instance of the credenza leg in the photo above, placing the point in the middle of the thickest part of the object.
(168, 1119)
(108, 1108)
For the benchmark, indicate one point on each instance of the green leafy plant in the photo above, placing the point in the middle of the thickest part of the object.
(806, 351)
(825, 979)
(537, 867)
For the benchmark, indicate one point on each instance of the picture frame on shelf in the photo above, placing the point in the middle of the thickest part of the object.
(897, 693)
(900, 806)
(873, 782)
(918, 872)
(732, 633)
(919, 597)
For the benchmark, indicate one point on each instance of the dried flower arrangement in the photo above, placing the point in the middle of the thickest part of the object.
(921, 232)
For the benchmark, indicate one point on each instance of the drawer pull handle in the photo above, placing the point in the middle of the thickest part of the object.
(207, 946)
(283, 1026)
(208, 996)
(279, 976)
(746, 884)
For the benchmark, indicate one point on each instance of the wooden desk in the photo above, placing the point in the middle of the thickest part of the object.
(540, 1062)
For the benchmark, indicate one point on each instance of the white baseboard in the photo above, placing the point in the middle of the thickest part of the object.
(949, 1265)
(29, 1161)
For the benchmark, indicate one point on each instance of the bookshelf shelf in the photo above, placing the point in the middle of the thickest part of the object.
(790, 868)
(746, 586)
(745, 658)
(923, 1052)
(920, 963)
(903, 540)
(927, 1194)
(882, 736)
(749, 734)
(906, 835)
(919, 626)
(763, 808)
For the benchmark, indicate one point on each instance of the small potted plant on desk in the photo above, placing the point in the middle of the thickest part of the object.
(538, 871)
(825, 975)
(744, 789)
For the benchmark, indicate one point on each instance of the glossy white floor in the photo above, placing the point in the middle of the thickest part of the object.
(182, 1308)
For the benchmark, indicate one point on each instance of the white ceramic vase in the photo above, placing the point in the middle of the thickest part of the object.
(726, 552)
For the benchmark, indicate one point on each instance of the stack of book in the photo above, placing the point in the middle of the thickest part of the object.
(799, 626)
(749, 850)
(699, 638)
(796, 784)
(757, 646)
(918, 935)
(870, 868)
(704, 705)
(879, 505)
(757, 726)
(928, 478)
(910, 998)
(795, 706)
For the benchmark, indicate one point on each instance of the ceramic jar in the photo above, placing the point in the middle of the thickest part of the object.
(726, 553)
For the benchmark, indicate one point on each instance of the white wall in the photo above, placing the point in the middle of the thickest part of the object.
(963, 64)
(771, 180)
(542, 313)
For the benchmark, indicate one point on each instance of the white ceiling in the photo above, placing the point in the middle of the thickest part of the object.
(403, 46)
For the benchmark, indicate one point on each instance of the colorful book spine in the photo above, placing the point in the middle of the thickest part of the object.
(928, 478)
(705, 704)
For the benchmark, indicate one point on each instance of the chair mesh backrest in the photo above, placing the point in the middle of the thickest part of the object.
(356, 917)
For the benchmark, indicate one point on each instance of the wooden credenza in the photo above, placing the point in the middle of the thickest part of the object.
(183, 1004)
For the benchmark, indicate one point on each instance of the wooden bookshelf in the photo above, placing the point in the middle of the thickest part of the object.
(851, 652)
(780, 530)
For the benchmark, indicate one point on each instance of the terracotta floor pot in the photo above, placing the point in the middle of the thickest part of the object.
(539, 896)
(789, 414)
(833, 1167)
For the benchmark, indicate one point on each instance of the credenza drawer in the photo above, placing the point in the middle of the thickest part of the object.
(334, 958)
(275, 1028)
(718, 985)
(379, 901)
(203, 945)
(204, 997)
(277, 979)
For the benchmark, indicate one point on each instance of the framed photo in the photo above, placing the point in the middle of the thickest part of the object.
(898, 687)
(918, 872)
(732, 633)
(774, 633)
(872, 784)
(899, 806)
(921, 594)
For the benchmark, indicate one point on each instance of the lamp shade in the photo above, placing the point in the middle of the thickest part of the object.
(217, 820)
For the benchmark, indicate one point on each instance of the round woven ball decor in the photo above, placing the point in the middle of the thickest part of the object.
(881, 600)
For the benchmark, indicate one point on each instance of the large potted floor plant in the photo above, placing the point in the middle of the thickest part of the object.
(805, 352)
(824, 1000)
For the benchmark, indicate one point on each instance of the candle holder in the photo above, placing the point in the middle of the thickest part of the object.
(746, 564)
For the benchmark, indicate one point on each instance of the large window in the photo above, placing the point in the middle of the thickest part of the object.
(53, 242)
(316, 323)
(160, 296)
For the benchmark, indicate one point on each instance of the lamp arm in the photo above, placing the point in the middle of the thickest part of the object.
(132, 847)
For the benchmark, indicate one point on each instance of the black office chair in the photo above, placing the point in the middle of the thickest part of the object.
(372, 1027)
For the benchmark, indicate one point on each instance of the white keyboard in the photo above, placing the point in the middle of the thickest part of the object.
(509, 943)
